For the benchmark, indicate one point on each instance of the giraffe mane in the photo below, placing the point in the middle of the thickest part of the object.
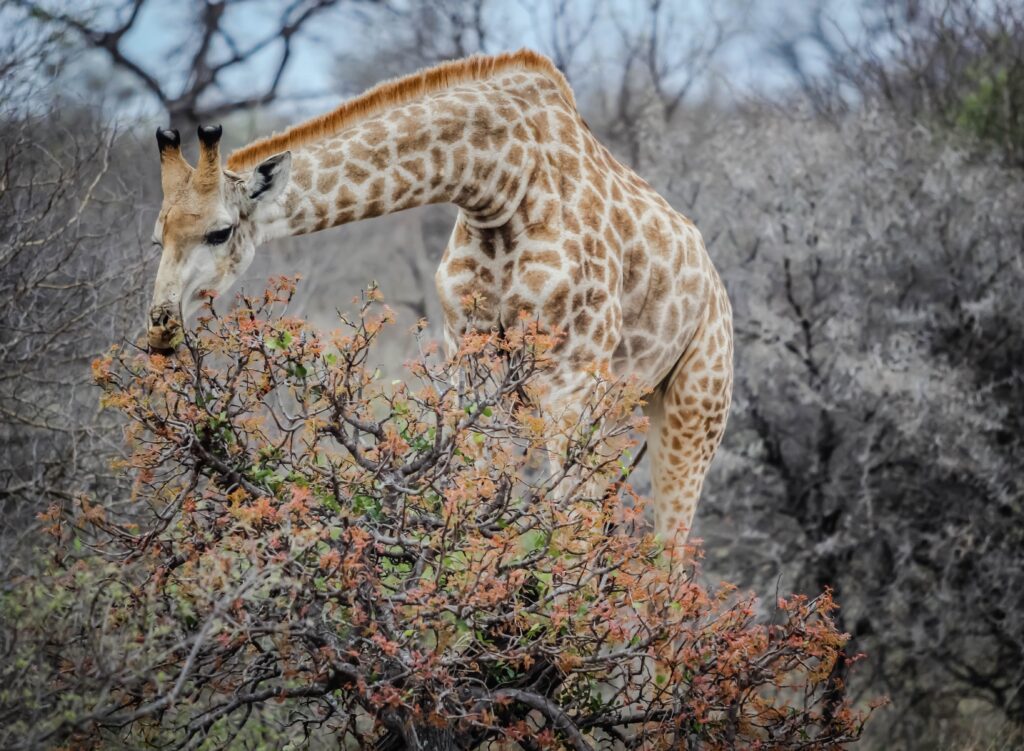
(397, 91)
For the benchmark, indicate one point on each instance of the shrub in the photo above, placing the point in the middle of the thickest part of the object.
(313, 552)
(994, 109)
(957, 64)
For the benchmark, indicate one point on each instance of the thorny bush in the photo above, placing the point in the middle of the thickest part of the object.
(316, 551)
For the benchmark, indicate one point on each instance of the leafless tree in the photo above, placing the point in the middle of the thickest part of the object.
(70, 282)
(211, 48)
(810, 35)
(666, 50)
(566, 30)
(957, 63)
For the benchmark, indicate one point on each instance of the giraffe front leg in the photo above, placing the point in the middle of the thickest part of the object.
(687, 421)
(581, 449)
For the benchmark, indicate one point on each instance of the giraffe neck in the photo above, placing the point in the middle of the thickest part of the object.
(440, 149)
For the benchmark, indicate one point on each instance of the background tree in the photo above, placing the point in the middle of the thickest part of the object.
(871, 449)
(69, 271)
(190, 84)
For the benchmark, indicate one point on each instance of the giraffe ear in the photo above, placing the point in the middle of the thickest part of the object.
(269, 178)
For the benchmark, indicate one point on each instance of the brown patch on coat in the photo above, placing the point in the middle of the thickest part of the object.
(326, 181)
(355, 173)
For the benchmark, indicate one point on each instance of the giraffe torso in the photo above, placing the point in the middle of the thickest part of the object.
(590, 249)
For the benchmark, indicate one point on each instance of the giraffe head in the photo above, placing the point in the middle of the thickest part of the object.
(208, 227)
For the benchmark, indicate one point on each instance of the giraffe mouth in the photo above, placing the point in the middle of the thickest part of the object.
(164, 341)
(165, 332)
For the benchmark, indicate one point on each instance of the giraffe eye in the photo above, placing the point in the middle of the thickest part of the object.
(218, 236)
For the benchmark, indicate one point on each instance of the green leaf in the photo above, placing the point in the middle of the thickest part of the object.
(534, 540)
(455, 561)
(282, 341)
(366, 506)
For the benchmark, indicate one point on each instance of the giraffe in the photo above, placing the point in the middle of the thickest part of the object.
(549, 222)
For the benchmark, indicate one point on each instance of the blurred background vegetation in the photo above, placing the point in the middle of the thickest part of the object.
(855, 167)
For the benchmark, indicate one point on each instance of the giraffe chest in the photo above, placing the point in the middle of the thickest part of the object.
(487, 280)
(632, 301)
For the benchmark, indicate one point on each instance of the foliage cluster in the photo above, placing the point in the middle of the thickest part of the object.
(311, 549)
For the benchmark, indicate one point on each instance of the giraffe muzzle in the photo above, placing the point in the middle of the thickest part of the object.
(165, 331)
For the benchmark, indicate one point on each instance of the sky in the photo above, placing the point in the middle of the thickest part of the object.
(316, 76)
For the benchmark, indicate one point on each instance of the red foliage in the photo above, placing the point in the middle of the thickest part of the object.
(391, 560)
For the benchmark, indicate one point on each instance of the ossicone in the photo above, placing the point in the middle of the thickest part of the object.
(174, 170)
(208, 169)
(210, 135)
(167, 138)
